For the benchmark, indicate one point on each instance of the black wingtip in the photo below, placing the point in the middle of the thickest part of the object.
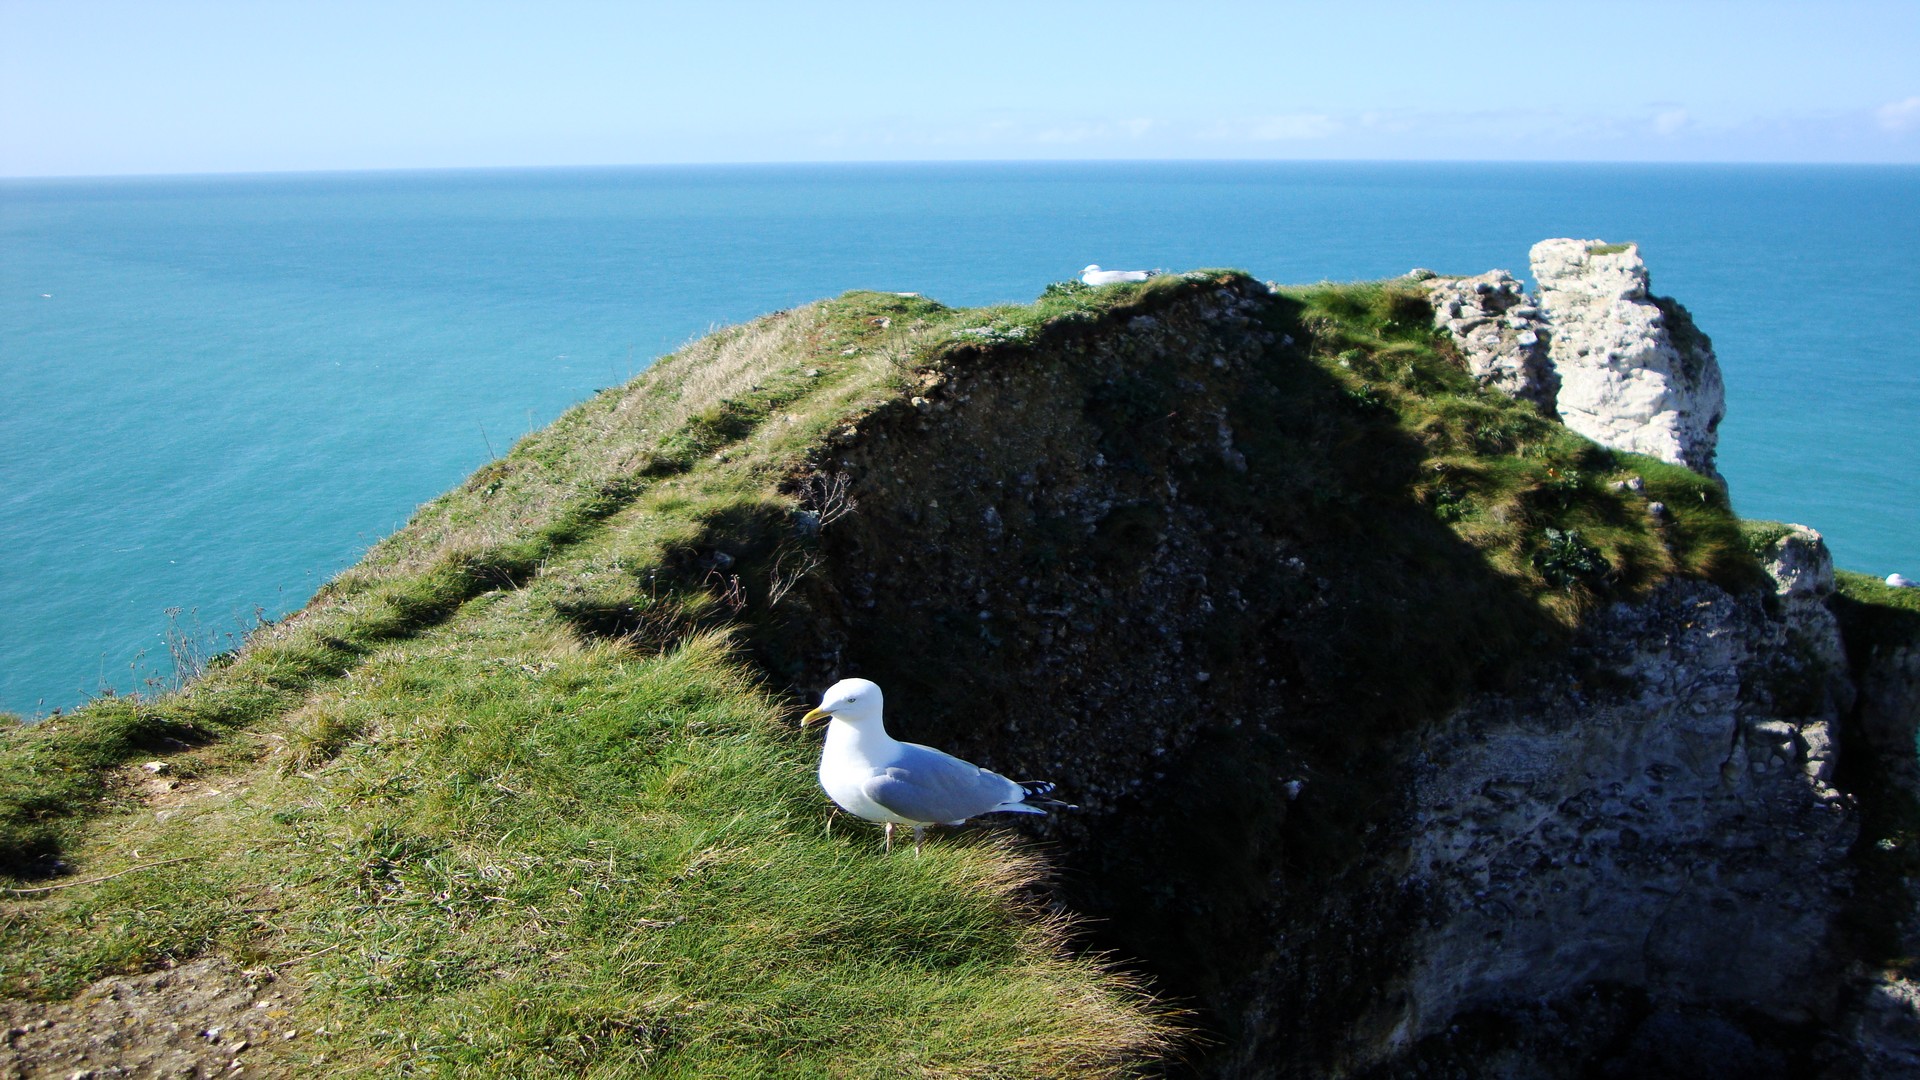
(1037, 792)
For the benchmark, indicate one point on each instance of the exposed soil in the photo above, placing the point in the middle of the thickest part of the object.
(202, 1019)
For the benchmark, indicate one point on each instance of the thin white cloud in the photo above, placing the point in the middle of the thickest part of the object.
(1293, 126)
(1394, 122)
(1671, 121)
(1283, 127)
(1096, 131)
(1650, 130)
(1899, 116)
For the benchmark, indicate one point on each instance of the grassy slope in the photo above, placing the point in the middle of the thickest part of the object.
(484, 846)
(483, 843)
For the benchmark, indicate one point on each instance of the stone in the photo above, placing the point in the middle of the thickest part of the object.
(1498, 330)
(1800, 565)
(1802, 571)
(1886, 1028)
(1634, 373)
(1589, 816)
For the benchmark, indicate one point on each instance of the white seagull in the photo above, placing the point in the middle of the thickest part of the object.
(1093, 275)
(1900, 581)
(875, 777)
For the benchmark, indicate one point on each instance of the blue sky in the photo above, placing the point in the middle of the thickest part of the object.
(97, 87)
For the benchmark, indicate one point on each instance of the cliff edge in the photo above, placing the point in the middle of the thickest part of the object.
(1410, 729)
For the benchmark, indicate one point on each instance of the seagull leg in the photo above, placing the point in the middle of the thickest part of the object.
(918, 832)
(889, 837)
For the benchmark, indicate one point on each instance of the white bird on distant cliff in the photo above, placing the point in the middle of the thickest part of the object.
(875, 777)
(1093, 275)
(1901, 581)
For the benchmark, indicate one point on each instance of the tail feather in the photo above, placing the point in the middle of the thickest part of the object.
(1037, 792)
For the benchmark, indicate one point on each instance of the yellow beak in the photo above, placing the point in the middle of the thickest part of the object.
(817, 714)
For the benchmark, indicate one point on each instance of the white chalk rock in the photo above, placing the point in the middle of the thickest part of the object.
(1498, 329)
(1800, 565)
(1635, 374)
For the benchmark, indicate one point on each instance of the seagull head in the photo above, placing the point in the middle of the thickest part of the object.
(853, 700)
(1092, 268)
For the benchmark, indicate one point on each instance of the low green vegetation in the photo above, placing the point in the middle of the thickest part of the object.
(1877, 614)
(520, 793)
(1608, 249)
(525, 856)
(1573, 522)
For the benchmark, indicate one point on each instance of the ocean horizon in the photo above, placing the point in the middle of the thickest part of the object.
(223, 389)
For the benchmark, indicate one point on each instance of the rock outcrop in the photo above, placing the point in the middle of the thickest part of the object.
(1635, 374)
(1635, 847)
(1615, 825)
(1883, 651)
(1498, 329)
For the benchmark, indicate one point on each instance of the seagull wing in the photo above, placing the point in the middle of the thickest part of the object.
(926, 785)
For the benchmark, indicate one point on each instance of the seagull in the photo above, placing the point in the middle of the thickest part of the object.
(1093, 275)
(875, 777)
(1901, 581)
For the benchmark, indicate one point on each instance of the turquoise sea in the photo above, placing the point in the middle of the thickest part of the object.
(218, 391)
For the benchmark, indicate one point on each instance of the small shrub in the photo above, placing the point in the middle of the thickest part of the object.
(1365, 400)
(1567, 560)
(1448, 502)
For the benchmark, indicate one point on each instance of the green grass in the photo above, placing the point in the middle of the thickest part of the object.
(1609, 249)
(539, 858)
(514, 795)
(1546, 507)
(486, 836)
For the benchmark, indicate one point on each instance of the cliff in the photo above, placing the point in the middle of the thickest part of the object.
(1410, 729)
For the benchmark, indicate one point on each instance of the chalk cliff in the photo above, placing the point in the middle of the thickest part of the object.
(1634, 372)
(1615, 363)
